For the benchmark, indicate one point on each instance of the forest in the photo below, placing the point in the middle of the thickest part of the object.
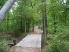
(50, 15)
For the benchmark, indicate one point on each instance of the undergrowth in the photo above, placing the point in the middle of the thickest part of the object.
(58, 42)
(3, 46)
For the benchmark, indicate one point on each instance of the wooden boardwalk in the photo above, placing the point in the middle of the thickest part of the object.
(31, 43)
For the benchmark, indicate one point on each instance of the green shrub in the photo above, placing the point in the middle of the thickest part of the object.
(50, 37)
(3, 46)
(57, 46)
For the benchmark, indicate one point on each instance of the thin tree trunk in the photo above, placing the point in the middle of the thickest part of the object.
(5, 9)
(44, 18)
(25, 19)
(33, 26)
(21, 24)
(25, 27)
(33, 19)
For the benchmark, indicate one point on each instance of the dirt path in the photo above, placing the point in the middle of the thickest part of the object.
(37, 31)
(31, 43)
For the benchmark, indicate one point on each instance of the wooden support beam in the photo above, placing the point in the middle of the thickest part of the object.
(12, 44)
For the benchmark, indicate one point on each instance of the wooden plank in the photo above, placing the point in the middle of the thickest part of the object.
(33, 40)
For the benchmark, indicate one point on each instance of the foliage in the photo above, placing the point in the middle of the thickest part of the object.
(29, 11)
(2, 2)
(57, 43)
(3, 46)
(57, 46)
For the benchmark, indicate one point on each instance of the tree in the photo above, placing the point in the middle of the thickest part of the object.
(5, 9)
(44, 18)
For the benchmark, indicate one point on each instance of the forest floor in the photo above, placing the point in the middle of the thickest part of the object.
(36, 31)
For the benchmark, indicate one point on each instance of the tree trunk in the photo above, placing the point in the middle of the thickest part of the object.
(33, 26)
(21, 24)
(25, 27)
(33, 19)
(44, 18)
(5, 9)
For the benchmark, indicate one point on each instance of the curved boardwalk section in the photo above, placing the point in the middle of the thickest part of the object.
(31, 43)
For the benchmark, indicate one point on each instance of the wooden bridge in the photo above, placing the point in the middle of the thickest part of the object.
(31, 43)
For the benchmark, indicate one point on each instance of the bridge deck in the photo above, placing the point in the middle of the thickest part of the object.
(31, 43)
(33, 40)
